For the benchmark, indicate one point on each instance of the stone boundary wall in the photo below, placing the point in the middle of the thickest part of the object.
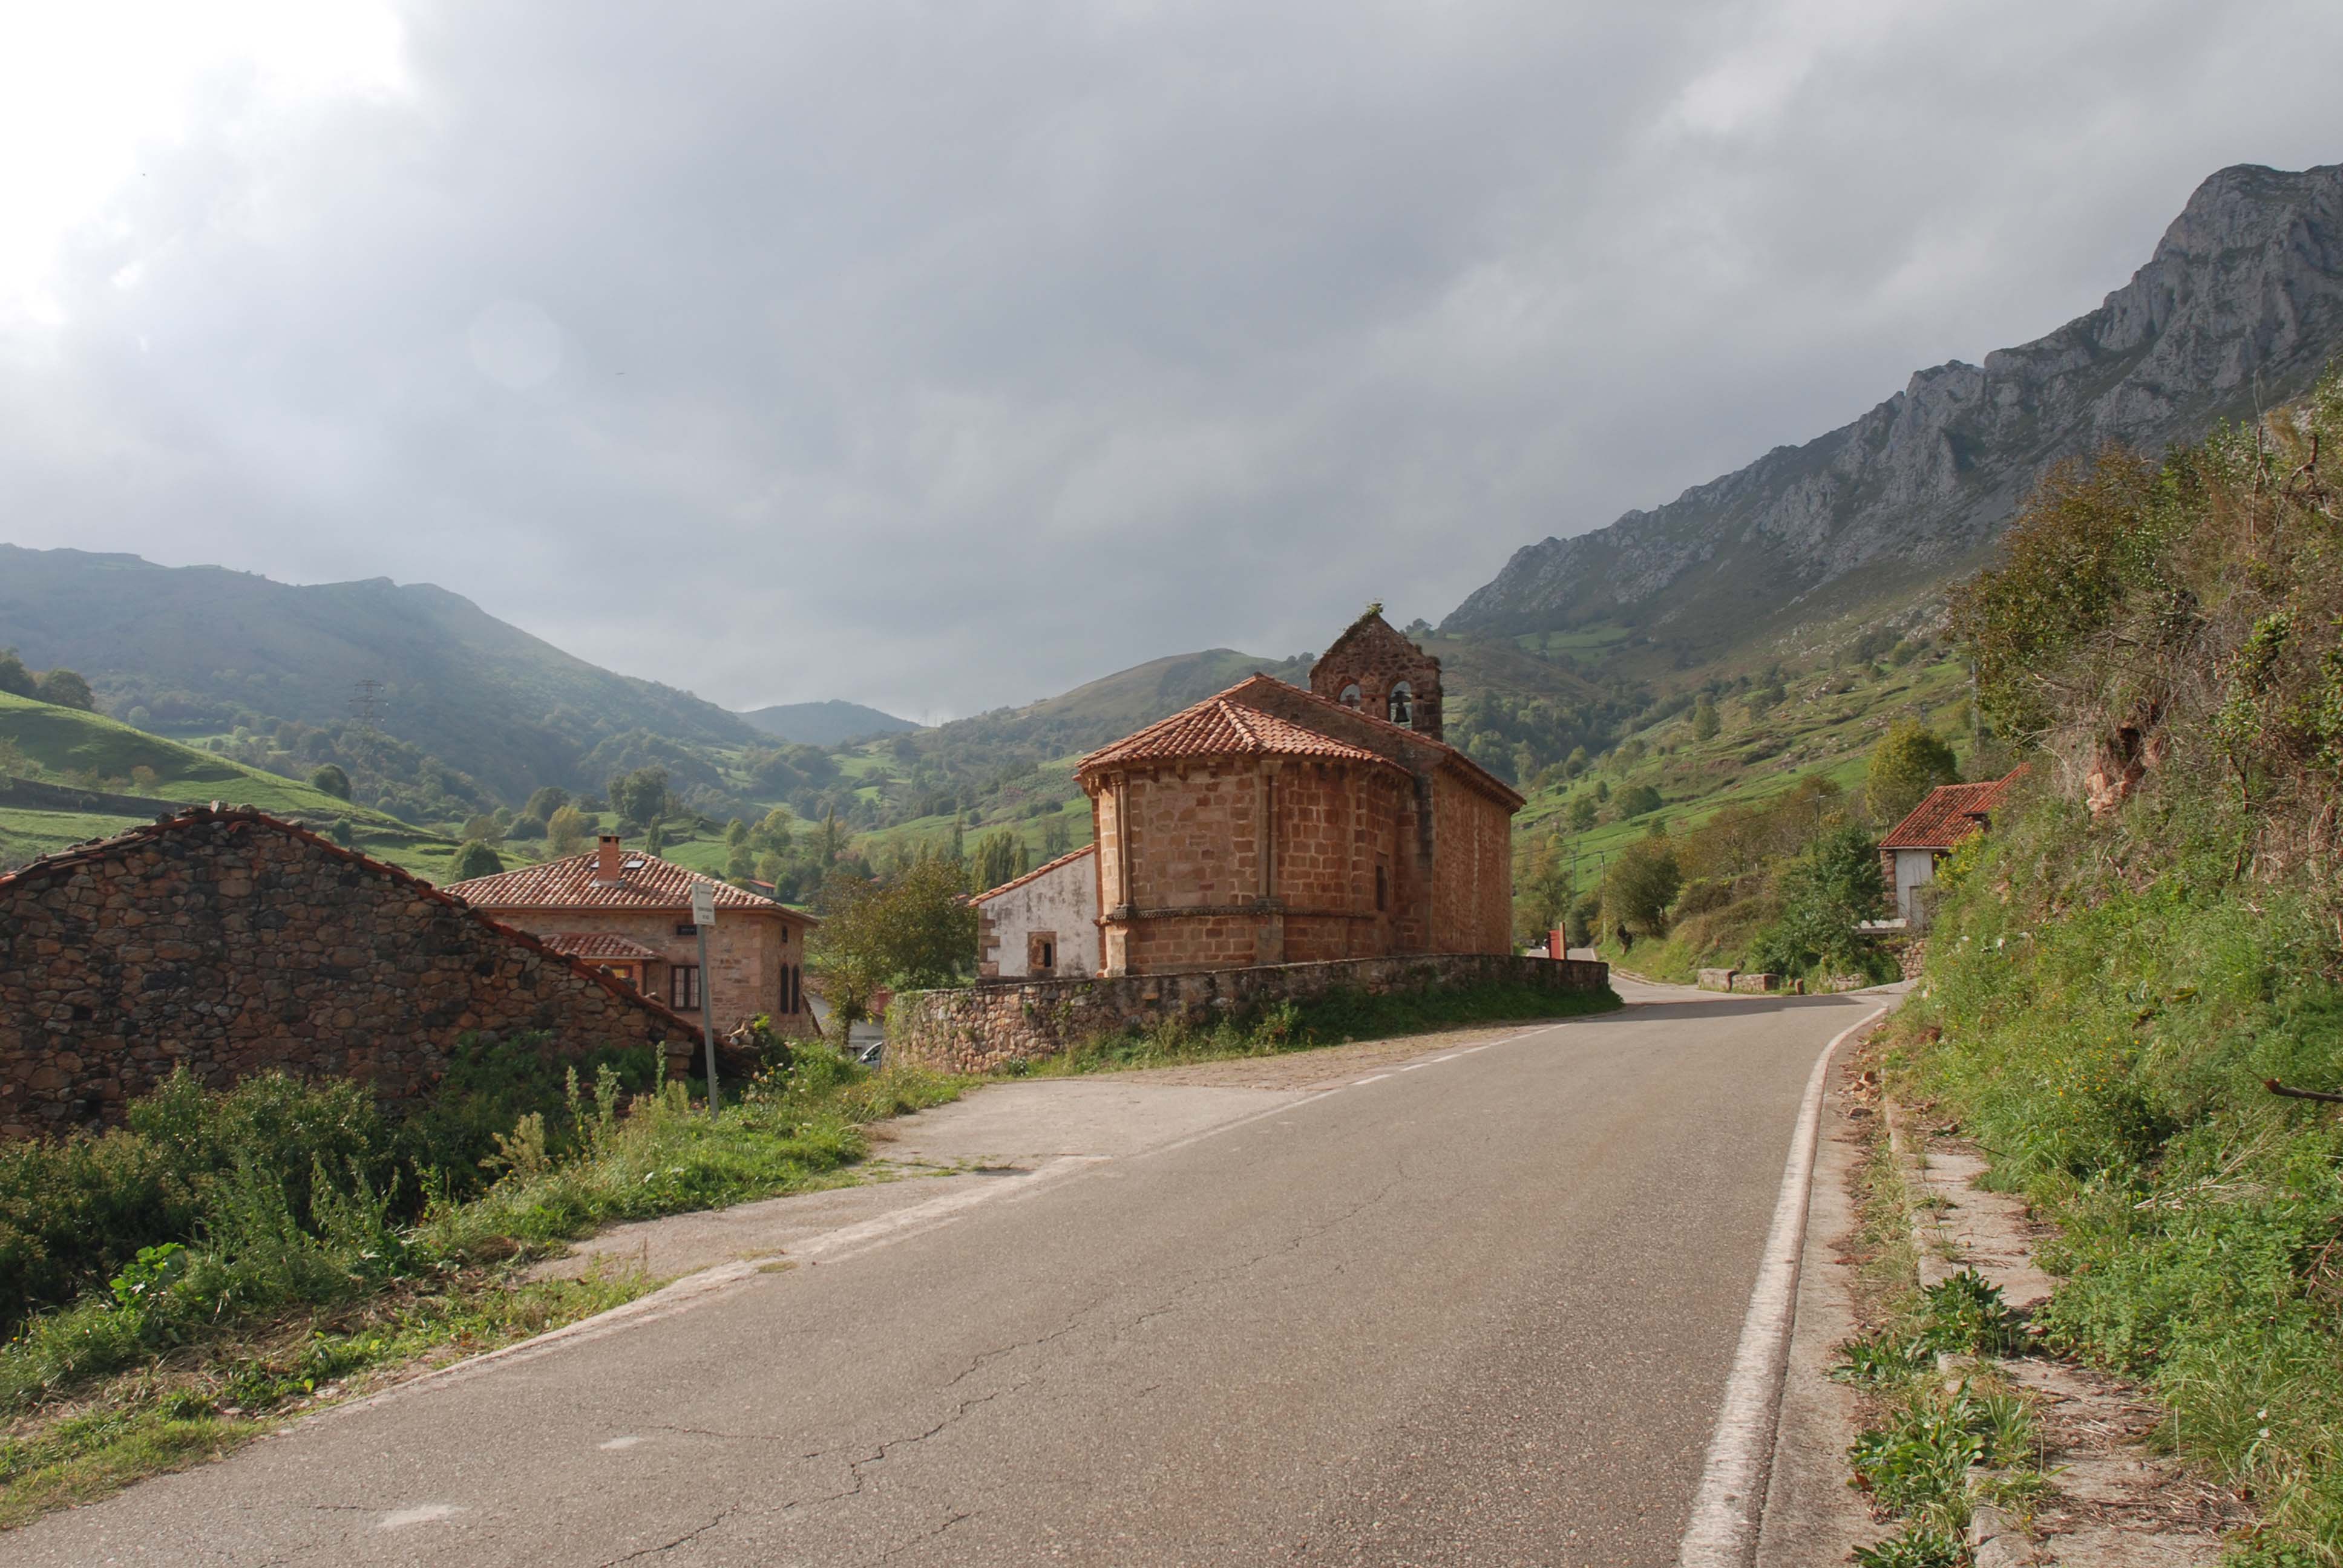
(231, 942)
(33, 795)
(982, 1027)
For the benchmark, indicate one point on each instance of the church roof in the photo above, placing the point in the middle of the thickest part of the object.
(1230, 725)
(1225, 726)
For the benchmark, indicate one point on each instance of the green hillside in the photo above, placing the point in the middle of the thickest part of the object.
(201, 649)
(68, 747)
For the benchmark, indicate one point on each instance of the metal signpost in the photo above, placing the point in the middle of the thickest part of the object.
(703, 915)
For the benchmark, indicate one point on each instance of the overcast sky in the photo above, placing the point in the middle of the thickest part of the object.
(942, 356)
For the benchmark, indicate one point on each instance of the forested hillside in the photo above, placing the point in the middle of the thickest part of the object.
(199, 650)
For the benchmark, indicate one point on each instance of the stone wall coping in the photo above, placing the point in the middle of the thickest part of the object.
(67, 861)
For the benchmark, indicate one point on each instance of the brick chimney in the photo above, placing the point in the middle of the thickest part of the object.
(606, 869)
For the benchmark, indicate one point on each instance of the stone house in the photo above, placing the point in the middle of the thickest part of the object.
(1043, 926)
(230, 943)
(1910, 850)
(628, 914)
(1271, 825)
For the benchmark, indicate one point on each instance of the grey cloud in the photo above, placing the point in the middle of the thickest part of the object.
(940, 355)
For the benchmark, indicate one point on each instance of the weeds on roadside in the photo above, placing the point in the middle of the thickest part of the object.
(1328, 1020)
(281, 1205)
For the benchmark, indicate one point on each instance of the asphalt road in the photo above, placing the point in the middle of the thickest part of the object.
(1475, 1309)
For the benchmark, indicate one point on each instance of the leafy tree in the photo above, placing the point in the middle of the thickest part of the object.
(1640, 885)
(641, 796)
(1578, 923)
(1582, 813)
(484, 827)
(544, 802)
(1602, 790)
(476, 859)
(1057, 837)
(343, 831)
(740, 864)
(1637, 799)
(1001, 857)
(735, 833)
(771, 834)
(15, 678)
(1824, 893)
(1544, 892)
(916, 929)
(1575, 763)
(1705, 721)
(66, 690)
(1905, 766)
(2088, 539)
(566, 830)
(332, 780)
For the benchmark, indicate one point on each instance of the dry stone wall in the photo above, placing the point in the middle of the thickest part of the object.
(230, 943)
(986, 1026)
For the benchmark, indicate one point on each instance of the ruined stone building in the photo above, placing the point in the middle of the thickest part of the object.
(230, 943)
(628, 914)
(1271, 825)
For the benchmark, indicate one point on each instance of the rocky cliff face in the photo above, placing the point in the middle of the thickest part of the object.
(2241, 306)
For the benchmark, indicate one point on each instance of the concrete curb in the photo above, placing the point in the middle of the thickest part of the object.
(1725, 1514)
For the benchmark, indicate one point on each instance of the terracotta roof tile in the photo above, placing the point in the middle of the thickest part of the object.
(1222, 726)
(602, 945)
(1042, 870)
(647, 882)
(1949, 813)
(1227, 725)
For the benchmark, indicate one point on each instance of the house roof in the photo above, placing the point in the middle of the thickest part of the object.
(646, 882)
(603, 946)
(1949, 813)
(1228, 724)
(1224, 724)
(246, 817)
(1042, 870)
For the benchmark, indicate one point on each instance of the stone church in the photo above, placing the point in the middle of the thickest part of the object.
(1271, 825)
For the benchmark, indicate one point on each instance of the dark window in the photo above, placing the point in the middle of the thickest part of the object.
(1351, 695)
(1402, 708)
(685, 928)
(683, 987)
(1382, 889)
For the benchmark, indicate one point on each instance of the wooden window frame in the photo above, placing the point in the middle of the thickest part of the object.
(683, 987)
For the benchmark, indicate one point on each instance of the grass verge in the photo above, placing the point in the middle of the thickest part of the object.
(1336, 1018)
(262, 1284)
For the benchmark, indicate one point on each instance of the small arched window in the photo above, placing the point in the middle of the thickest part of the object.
(1403, 705)
(1351, 695)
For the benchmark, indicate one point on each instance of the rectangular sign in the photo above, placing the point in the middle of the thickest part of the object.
(703, 904)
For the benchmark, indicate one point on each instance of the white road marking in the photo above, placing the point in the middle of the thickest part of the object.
(1378, 1078)
(1411, 1067)
(1725, 1511)
(1449, 1057)
(618, 1442)
(421, 1514)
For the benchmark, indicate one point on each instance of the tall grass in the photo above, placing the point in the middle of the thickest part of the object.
(230, 1211)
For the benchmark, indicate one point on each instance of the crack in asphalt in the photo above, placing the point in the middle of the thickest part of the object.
(925, 1536)
(1070, 1325)
(683, 1540)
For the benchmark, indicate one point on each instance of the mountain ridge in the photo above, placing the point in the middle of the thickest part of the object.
(2240, 307)
(195, 646)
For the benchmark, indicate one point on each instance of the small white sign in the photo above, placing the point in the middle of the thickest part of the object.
(703, 904)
